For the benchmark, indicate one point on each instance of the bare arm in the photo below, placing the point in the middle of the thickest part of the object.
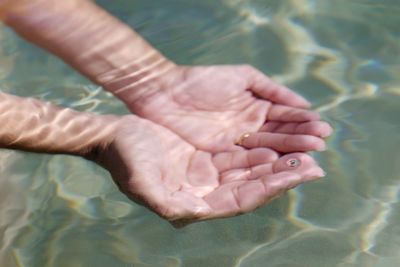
(31, 125)
(139, 155)
(190, 101)
(87, 37)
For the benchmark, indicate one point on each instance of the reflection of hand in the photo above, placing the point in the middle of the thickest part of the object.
(211, 107)
(177, 180)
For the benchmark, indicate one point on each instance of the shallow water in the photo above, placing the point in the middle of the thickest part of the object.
(343, 55)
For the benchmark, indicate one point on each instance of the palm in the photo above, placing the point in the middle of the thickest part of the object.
(211, 107)
(154, 166)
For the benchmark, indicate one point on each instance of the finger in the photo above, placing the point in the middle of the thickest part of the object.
(225, 202)
(253, 195)
(270, 90)
(240, 197)
(315, 128)
(291, 114)
(244, 196)
(283, 142)
(243, 158)
(299, 163)
(246, 174)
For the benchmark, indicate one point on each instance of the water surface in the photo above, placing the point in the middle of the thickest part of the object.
(343, 55)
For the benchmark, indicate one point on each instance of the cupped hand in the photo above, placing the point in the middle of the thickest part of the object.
(179, 181)
(212, 107)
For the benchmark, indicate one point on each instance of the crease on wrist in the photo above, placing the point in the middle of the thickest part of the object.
(139, 88)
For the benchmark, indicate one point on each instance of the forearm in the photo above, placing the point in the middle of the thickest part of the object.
(95, 43)
(31, 125)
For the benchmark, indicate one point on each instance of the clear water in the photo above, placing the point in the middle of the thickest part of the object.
(343, 55)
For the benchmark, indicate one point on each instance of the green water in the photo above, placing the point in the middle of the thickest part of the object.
(343, 55)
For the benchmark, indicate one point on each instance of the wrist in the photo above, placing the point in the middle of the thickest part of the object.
(134, 86)
(106, 150)
(98, 132)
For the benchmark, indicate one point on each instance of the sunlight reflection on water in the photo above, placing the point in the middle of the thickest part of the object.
(344, 56)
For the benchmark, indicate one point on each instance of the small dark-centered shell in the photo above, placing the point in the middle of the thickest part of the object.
(292, 163)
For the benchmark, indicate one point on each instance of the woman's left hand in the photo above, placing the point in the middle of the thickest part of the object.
(179, 181)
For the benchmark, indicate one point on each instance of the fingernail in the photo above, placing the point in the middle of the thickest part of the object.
(322, 173)
(321, 148)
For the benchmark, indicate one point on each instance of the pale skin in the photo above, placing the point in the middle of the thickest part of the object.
(139, 154)
(180, 158)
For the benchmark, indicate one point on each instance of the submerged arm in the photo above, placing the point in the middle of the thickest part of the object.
(31, 125)
(152, 165)
(87, 37)
(112, 54)
(190, 101)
